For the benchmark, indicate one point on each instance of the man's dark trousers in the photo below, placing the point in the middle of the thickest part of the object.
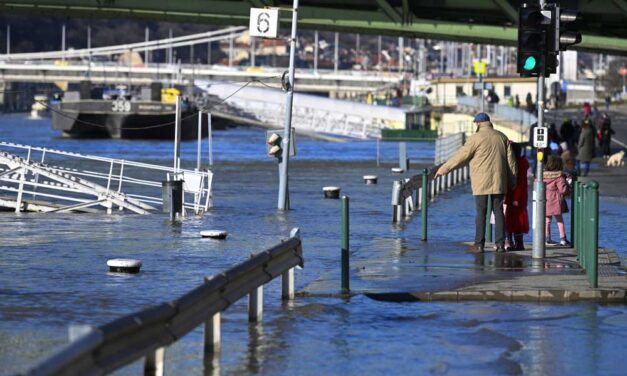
(481, 202)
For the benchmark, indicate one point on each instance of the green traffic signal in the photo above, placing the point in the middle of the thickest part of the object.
(530, 63)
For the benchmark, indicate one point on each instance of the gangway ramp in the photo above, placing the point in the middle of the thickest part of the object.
(76, 182)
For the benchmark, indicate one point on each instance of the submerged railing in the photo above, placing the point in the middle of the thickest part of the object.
(585, 222)
(112, 181)
(147, 333)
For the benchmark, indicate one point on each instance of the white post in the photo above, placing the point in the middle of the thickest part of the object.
(401, 54)
(147, 37)
(253, 47)
(20, 191)
(210, 137)
(212, 334)
(231, 51)
(287, 285)
(154, 364)
(379, 43)
(199, 143)
(255, 305)
(8, 39)
(170, 57)
(284, 200)
(63, 42)
(177, 136)
(336, 52)
(315, 62)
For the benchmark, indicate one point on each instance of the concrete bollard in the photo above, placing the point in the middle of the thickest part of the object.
(331, 192)
(370, 179)
(121, 265)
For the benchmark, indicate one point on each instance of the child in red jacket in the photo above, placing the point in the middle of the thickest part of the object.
(516, 218)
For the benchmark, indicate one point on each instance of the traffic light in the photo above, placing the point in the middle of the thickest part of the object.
(274, 145)
(562, 33)
(531, 40)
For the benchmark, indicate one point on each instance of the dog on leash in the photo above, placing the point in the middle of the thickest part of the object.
(616, 159)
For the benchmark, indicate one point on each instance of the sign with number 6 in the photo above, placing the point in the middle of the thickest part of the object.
(264, 22)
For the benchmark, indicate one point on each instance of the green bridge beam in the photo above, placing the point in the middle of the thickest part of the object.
(369, 17)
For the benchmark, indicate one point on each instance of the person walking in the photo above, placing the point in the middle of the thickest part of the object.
(606, 132)
(556, 190)
(516, 216)
(568, 160)
(567, 132)
(585, 147)
(492, 169)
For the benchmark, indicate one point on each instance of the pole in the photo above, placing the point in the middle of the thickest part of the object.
(147, 37)
(177, 136)
(424, 204)
(208, 53)
(9, 45)
(315, 62)
(199, 142)
(63, 42)
(482, 105)
(210, 137)
(540, 208)
(231, 51)
(345, 245)
(336, 52)
(284, 200)
(379, 43)
(253, 47)
(401, 54)
(88, 37)
(170, 48)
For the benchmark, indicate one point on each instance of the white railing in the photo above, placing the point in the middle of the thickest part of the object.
(116, 181)
(515, 115)
(446, 146)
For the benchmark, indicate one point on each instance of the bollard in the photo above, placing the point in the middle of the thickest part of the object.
(396, 201)
(345, 245)
(488, 225)
(593, 226)
(423, 203)
(573, 200)
(172, 196)
(449, 179)
(455, 176)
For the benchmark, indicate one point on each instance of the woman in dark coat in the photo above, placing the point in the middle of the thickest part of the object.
(606, 133)
(586, 147)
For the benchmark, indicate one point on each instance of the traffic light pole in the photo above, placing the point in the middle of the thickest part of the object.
(540, 202)
(284, 195)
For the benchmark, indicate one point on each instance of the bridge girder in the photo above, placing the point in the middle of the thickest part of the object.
(477, 21)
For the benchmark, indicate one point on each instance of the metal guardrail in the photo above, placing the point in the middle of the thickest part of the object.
(446, 146)
(585, 222)
(146, 333)
(107, 176)
(507, 113)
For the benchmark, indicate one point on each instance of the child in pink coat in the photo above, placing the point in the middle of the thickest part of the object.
(556, 190)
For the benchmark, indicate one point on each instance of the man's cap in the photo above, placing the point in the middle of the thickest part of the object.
(481, 117)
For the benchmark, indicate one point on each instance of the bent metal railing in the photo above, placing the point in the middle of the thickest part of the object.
(86, 180)
(585, 222)
(147, 333)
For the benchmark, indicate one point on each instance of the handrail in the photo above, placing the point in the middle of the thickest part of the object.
(585, 219)
(500, 111)
(120, 342)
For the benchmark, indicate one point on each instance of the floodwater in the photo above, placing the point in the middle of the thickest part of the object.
(53, 272)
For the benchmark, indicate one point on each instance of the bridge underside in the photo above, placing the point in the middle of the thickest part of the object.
(480, 21)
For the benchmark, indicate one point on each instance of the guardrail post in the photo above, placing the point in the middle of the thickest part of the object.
(255, 305)
(212, 334)
(287, 278)
(432, 189)
(449, 179)
(345, 244)
(154, 364)
(488, 225)
(424, 204)
(396, 202)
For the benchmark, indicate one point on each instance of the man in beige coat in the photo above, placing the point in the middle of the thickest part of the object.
(492, 168)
